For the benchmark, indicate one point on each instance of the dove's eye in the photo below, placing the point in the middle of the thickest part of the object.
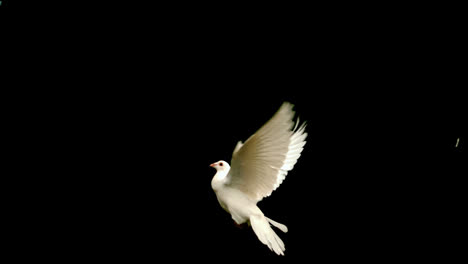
(220, 164)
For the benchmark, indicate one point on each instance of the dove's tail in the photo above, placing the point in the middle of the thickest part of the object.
(266, 235)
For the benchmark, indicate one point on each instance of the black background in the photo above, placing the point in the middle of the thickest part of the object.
(139, 100)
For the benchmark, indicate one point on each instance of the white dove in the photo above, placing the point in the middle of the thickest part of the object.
(259, 166)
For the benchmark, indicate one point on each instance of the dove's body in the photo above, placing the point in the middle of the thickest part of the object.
(244, 210)
(239, 205)
(259, 166)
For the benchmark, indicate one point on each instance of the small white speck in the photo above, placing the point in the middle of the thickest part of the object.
(456, 145)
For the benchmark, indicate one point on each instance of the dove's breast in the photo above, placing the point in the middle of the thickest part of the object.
(219, 180)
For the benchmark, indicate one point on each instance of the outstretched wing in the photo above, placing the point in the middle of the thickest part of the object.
(260, 165)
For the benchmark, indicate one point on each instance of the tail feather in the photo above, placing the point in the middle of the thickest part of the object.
(266, 235)
(278, 225)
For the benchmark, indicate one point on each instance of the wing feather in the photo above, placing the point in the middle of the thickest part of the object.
(261, 164)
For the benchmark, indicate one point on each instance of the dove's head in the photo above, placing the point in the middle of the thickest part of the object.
(221, 165)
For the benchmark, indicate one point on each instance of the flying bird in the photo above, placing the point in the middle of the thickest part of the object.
(258, 167)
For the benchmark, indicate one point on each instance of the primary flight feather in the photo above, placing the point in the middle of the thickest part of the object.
(258, 167)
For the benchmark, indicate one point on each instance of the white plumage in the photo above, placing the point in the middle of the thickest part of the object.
(258, 167)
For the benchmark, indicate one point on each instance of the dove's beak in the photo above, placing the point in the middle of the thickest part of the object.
(212, 165)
